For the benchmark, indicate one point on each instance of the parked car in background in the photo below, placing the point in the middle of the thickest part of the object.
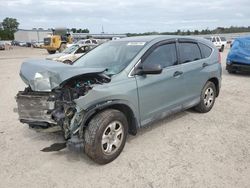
(22, 44)
(2, 45)
(69, 55)
(85, 41)
(28, 44)
(238, 59)
(15, 43)
(38, 44)
(219, 42)
(118, 87)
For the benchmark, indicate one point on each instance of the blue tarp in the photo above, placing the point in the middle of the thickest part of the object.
(240, 51)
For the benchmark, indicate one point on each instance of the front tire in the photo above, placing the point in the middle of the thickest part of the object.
(207, 98)
(231, 71)
(51, 51)
(105, 136)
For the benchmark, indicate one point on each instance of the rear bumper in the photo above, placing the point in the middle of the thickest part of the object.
(238, 67)
(35, 108)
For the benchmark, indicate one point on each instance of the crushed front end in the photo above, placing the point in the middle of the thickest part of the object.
(35, 107)
(56, 108)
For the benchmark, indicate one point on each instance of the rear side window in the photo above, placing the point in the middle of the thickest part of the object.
(165, 55)
(189, 52)
(205, 50)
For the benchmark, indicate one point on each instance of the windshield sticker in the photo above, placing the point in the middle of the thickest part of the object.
(136, 43)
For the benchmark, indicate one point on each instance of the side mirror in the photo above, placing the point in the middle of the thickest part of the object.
(149, 69)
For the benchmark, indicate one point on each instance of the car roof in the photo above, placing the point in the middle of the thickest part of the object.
(157, 38)
(148, 38)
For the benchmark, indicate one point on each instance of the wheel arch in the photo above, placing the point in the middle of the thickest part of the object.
(217, 85)
(125, 108)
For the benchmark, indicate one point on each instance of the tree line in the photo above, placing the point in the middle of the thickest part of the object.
(10, 25)
(7, 28)
(74, 30)
(218, 30)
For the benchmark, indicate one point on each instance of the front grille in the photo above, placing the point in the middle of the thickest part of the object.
(35, 107)
(47, 41)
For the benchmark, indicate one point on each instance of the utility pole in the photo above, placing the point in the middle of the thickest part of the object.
(37, 30)
(102, 30)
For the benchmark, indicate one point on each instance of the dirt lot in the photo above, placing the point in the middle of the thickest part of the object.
(184, 150)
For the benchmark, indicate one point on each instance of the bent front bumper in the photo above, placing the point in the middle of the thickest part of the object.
(35, 107)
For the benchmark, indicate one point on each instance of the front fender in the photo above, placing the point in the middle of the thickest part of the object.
(91, 111)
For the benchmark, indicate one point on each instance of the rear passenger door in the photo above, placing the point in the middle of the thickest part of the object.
(195, 67)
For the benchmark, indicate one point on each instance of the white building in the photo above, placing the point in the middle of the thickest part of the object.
(26, 35)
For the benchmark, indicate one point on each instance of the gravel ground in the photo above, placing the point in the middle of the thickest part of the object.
(185, 150)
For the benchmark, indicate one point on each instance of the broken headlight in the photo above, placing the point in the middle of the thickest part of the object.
(42, 82)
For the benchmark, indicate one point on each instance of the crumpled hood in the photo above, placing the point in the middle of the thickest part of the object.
(45, 75)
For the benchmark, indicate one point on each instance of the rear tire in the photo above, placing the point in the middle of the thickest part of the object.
(207, 98)
(51, 51)
(231, 71)
(105, 136)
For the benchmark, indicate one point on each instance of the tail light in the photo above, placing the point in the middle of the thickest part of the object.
(219, 57)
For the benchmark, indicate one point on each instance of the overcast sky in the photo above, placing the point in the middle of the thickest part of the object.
(122, 16)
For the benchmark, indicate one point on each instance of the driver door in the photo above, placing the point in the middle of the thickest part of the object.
(160, 94)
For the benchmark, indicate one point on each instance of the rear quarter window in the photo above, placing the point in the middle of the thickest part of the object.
(189, 52)
(205, 50)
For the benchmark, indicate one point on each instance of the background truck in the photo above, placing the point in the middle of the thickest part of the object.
(57, 41)
(219, 42)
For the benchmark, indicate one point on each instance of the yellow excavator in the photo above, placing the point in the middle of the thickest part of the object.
(58, 40)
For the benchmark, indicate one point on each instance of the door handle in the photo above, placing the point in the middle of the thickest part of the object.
(177, 73)
(204, 65)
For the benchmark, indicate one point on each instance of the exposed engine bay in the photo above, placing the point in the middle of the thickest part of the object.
(79, 86)
(57, 108)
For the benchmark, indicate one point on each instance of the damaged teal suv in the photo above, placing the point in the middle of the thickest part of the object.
(117, 88)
